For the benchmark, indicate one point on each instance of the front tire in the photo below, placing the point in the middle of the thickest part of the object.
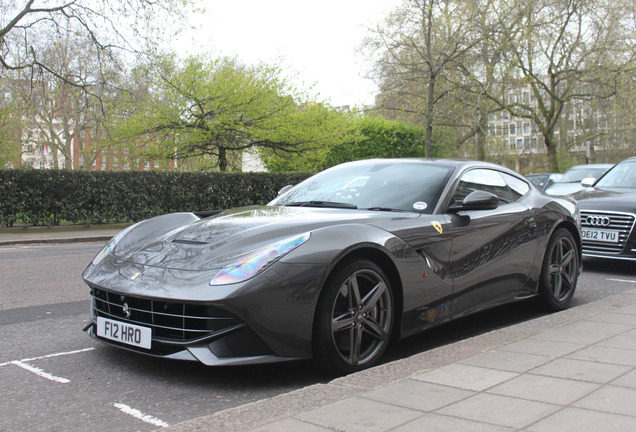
(354, 318)
(560, 271)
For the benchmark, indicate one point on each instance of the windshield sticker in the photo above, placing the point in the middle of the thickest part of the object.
(437, 226)
(420, 205)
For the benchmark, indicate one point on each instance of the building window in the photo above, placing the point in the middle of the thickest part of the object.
(512, 129)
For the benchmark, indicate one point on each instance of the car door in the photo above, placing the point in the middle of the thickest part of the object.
(492, 250)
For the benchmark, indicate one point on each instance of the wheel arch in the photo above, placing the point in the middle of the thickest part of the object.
(389, 268)
(573, 228)
(555, 276)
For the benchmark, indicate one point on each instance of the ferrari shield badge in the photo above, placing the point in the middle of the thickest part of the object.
(437, 226)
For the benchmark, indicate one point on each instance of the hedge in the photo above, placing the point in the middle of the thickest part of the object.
(51, 197)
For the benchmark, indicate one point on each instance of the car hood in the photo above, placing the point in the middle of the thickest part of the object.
(619, 199)
(221, 239)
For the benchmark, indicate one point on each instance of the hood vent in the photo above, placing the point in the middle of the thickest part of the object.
(189, 242)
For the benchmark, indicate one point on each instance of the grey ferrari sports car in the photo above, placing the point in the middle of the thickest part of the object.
(337, 266)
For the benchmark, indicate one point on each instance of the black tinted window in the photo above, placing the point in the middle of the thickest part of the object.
(518, 187)
(485, 180)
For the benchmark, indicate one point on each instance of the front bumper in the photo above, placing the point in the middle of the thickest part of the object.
(266, 319)
(196, 352)
(611, 235)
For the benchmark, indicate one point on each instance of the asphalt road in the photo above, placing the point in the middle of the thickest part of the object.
(54, 377)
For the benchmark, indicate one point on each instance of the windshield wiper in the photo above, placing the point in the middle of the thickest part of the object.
(387, 209)
(322, 204)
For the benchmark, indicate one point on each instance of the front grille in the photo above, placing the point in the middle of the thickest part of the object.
(169, 321)
(621, 223)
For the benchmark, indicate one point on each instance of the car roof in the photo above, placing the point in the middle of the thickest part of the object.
(459, 163)
(603, 165)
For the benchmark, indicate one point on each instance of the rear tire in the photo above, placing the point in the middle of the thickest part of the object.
(560, 271)
(354, 318)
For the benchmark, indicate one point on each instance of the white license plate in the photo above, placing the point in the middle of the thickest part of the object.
(599, 235)
(129, 334)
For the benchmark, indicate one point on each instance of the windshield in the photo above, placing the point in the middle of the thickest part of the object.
(372, 185)
(622, 175)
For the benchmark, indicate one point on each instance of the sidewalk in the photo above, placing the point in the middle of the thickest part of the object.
(570, 371)
(59, 234)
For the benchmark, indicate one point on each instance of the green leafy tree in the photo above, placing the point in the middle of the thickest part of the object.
(10, 145)
(380, 138)
(370, 137)
(216, 109)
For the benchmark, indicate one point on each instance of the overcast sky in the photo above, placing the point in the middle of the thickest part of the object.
(319, 40)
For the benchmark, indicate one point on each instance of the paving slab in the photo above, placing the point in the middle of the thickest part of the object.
(582, 370)
(577, 420)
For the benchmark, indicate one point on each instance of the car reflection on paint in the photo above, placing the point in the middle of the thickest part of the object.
(336, 267)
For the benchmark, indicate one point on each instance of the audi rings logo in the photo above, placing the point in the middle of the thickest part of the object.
(598, 221)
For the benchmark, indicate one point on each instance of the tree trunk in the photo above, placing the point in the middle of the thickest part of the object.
(222, 159)
(551, 148)
(428, 137)
(481, 137)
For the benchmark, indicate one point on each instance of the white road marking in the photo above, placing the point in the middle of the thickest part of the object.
(57, 354)
(36, 370)
(40, 372)
(139, 415)
(623, 280)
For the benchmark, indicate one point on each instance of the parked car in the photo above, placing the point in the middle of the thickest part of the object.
(608, 211)
(573, 178)
(335, 267)
(544, 180)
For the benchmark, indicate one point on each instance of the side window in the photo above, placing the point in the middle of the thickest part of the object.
(518, 187)
(486, 180)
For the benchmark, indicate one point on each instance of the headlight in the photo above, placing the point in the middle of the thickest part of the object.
(110, 246)
(249, 266)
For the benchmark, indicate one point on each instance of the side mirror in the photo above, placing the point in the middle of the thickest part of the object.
(476, 200)
(587, 182)
(285, 189)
